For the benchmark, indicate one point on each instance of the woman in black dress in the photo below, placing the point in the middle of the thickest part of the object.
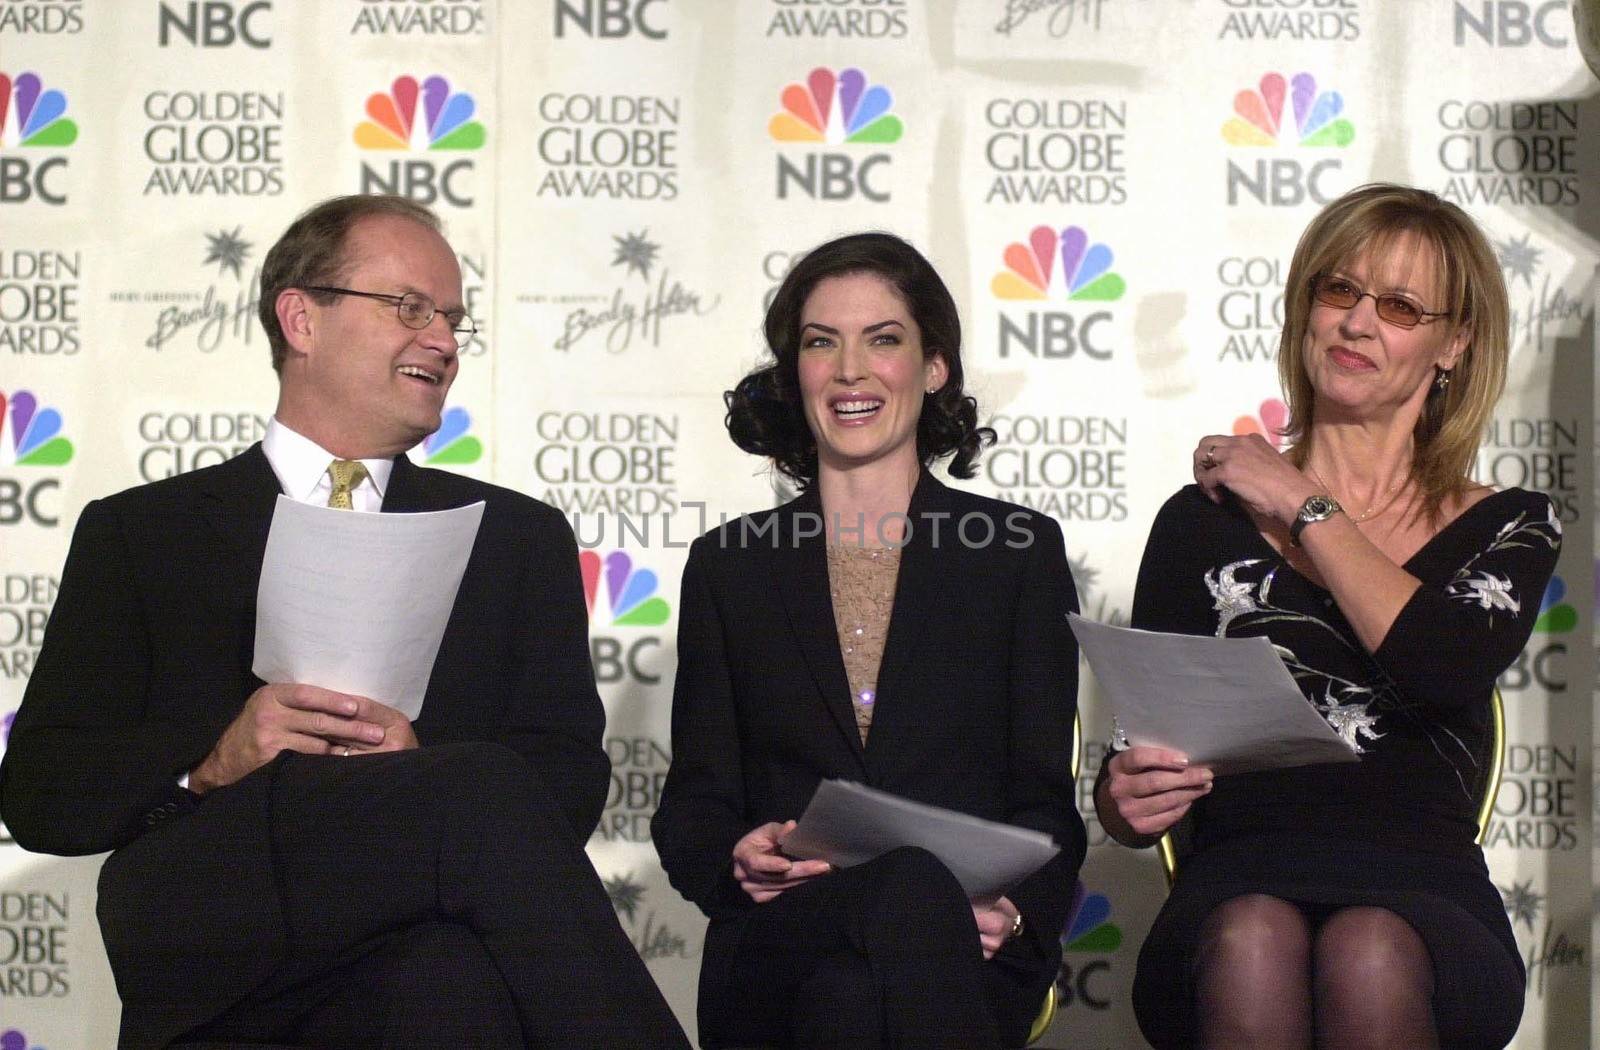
(1348, 904)
(881, 628)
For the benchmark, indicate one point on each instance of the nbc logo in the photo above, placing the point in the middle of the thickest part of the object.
(447, 118)
(34, 118)
(451, 445)
(442, 124)
(834, 110)
(1090, 933)
(1258, 115)
(1313, 119)
(29, 437)
(1268, 421)
(1086, 277)
(30, 116)
(1555, 615)
(630, 590)
(14, 1039)
(1085, 268)
(28, 434)
(1542, 663)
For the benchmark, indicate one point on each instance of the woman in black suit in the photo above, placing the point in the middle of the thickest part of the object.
(880, 628)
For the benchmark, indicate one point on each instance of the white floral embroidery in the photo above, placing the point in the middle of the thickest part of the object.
(1231, 597)
(1488, 590)
(1352, 721)
(1119, 737)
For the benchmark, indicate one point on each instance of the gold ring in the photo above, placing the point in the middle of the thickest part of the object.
(1211, 459)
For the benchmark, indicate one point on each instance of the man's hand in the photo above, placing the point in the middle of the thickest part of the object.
(300, 718)
(763, 872)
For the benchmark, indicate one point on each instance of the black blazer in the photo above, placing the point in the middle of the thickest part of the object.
(147, 659)
(976, 693)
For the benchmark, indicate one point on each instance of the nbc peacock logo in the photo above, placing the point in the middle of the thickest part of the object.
(30, 436)
(1556, 615)
(1092, 929)
(446, 122)
(836, 109)
(16, 1039)
(1085, 270)
(451, 444)
(1086, 947)
(1270, 418)
(1313, 117)
(630, 590)
(830, 110)
(32, 116)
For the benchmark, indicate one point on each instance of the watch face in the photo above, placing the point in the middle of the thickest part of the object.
(1319, 507)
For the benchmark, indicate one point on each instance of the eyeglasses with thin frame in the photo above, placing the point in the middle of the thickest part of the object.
(1343, 294)
(414, 309)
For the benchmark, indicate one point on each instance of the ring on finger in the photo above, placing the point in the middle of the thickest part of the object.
(1210, 459)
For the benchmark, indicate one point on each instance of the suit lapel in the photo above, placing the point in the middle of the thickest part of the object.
(918, 589)
(802, 572)
(238, 501)
(408, 490)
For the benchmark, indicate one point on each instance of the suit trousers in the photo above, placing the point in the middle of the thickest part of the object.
(884, 954)
(437, 897)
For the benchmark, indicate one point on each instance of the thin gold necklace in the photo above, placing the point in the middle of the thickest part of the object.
(1374, 508)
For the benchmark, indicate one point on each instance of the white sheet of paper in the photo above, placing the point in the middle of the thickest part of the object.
(1228, 703)
(358, 602)
(849, 823)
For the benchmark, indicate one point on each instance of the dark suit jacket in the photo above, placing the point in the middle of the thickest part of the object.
(147, 659)
(976, 692)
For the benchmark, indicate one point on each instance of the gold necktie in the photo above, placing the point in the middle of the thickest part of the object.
(346, 474)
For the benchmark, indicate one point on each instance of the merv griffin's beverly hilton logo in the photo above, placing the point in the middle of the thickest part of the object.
(1085, 269)
(29, 434)
(451, 445)
(446, 122)
(836, 109)
(1259, 118)
(31, 116)
(630, 590)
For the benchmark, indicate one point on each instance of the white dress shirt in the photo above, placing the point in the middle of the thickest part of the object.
(302, 468)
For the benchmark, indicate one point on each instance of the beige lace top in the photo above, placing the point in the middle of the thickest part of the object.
(861, 581)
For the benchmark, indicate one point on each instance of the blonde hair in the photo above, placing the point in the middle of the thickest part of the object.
(1370, 220)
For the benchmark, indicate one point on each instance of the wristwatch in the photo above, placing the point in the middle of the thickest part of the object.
(1315, 508)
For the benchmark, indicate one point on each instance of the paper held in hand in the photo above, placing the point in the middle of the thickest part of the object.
(1228, 703)
(358, 602)
(848, 823)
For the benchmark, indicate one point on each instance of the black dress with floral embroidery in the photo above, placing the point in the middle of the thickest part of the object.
(1397, 829)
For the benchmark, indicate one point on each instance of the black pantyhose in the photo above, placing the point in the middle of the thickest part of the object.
(1268, 975)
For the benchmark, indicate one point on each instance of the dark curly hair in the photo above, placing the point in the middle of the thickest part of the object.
(765, 416)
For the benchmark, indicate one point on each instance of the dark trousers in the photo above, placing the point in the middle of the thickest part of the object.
(885, 954)
(435, 898)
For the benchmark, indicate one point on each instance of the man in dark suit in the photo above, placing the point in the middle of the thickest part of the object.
(299, 865)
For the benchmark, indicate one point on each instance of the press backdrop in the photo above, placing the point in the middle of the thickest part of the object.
(1112, 189)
